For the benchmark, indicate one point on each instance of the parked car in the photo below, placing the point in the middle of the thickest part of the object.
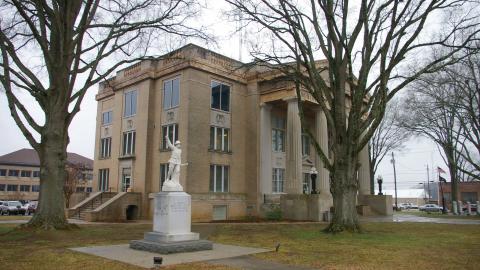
(12, 208)
(2, 206)
(430, 208)
(405, 206)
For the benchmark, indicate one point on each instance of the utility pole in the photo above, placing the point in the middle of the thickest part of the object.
(394, 180)
(428, 184)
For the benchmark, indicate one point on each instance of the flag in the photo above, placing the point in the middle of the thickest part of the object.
(441, 179)
(440, 170)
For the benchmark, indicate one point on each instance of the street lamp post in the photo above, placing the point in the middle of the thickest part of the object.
(313, 176)
(380, 181)
(440, 180)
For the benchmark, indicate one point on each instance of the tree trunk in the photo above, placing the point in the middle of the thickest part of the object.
(454, 182)
(344, 189)
(50, 213)
(371, 165)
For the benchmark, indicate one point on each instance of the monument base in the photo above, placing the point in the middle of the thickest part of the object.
(171, 227)
(171, 247)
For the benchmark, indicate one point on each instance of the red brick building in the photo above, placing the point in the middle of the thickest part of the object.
(468, 192)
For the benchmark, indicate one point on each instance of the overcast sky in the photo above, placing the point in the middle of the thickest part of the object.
(411, 163)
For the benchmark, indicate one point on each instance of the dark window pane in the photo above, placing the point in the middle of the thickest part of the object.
(218, 139)
(164, 133)
(176, 132)
(133, 143)
(226, 134)
(212, 137)
(2, 187)
(225, 179)
(125, 142)
(225, 99)
(212, 178)
(216, 95)
(35, 188)
(3, 172)
(218, 178)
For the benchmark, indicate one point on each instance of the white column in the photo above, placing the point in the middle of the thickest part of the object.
(294, 181)
(364, 172)
(321, 133)
(265, 149)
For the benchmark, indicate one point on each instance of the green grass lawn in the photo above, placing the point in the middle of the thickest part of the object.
(380, 246)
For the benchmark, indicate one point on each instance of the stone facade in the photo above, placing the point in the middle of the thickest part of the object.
(239, 128)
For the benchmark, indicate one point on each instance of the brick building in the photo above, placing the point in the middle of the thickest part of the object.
(20, 174)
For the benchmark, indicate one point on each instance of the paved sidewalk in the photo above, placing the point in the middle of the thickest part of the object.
(144, 259)
(414, 218)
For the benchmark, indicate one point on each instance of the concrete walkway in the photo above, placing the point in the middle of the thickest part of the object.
(414, 218)
(144, 259)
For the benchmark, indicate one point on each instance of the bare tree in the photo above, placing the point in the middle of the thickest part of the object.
(464, 78)
(55, 50)
(75, 175)
(425, 113)
(370, 47)
(388, 136)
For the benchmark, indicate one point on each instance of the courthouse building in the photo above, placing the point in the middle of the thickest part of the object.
(239, 129)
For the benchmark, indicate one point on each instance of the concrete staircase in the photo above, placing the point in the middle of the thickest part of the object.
(90, 204)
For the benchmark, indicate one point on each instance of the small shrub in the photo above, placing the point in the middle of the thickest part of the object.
(274, 214)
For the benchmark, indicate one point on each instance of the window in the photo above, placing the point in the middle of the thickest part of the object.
(469, 197)
(305, 145)
(278, 134)
(35, 188)
(126, 179)
(89, 189)
(130, 106)
(219, 212)
(2, 187)
(107, 117)
(163, 173)
(219, 178)
(219, 139)
(12, 187)
(306, 183)
(172, 132)
(220, 96)
(103, 175)
(24, 188)
(128, 143)
(3, 172)
(80, 189)
(36, 174)
(278, 176)
(171, 93)
(26, 174)
(105, 147)
(13, 173)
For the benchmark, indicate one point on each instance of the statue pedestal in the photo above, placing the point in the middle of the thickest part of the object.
(171, 227)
